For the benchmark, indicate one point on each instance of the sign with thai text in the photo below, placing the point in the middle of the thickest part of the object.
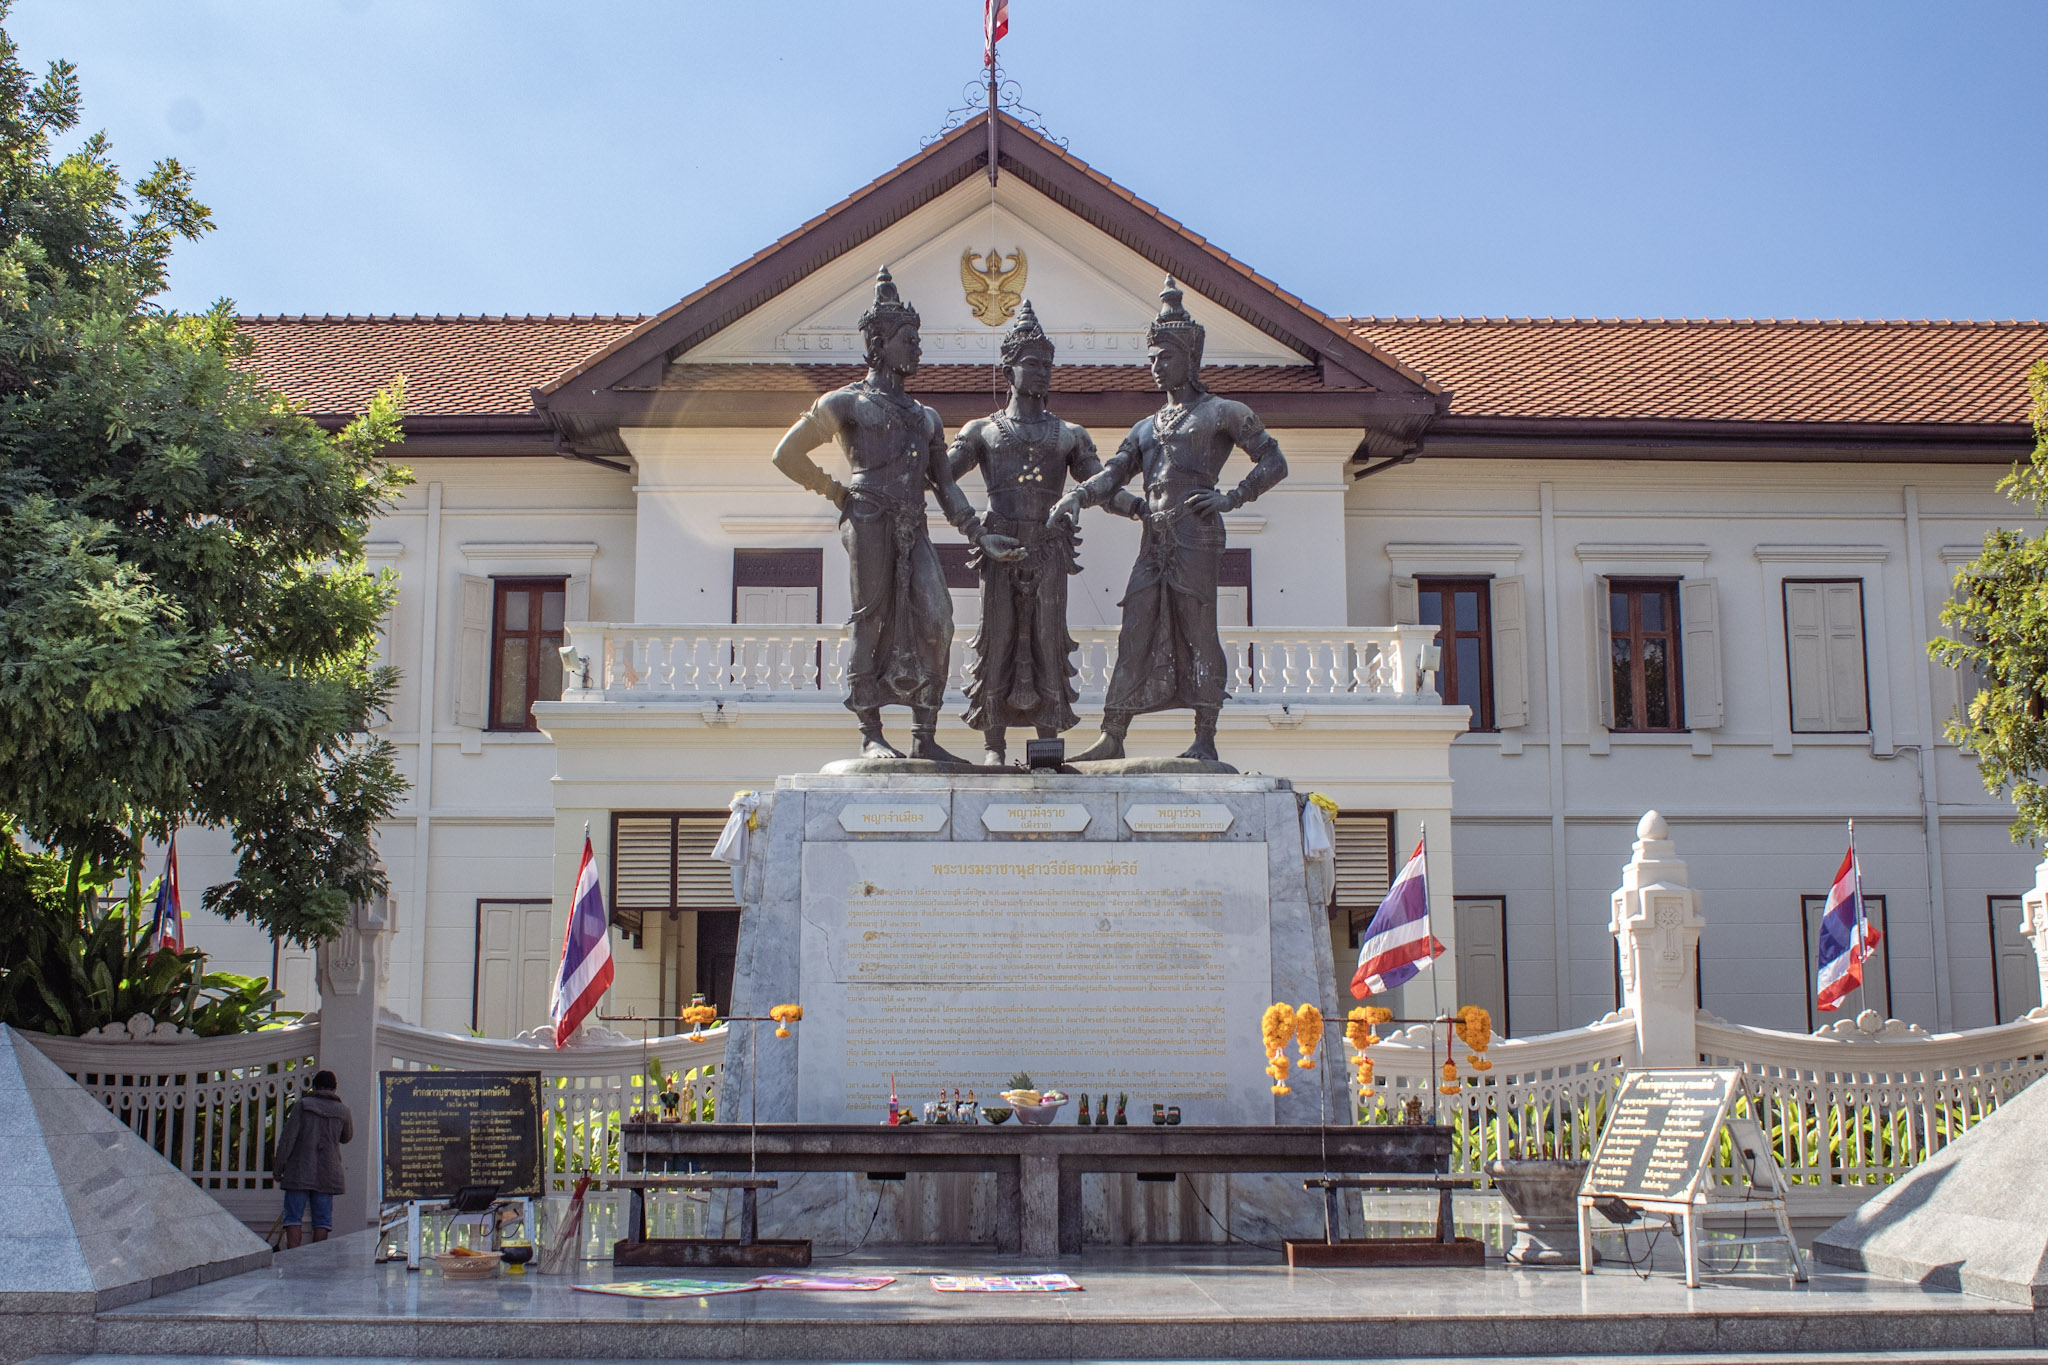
(444, 1130)
(1662, 1132)
(1178, 819)
(1032, 817)
(921, 818)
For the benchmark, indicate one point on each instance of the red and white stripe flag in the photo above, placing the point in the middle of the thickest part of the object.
(995, 26)
(586, 971)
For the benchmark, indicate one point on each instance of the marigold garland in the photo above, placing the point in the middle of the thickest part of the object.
(1450, 1085)
(697, 1016)
(1475, 1026)
(1276, 1026)
(1308, 1034)
(784, 1016)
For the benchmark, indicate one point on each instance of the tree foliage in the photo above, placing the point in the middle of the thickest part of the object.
(186, 624)
(1999, 625)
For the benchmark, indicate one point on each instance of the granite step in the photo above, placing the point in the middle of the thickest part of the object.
(2026, 1356)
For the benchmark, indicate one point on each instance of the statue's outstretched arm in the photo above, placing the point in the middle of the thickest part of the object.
(1085, 464)
(1100, 487)
(793, 455)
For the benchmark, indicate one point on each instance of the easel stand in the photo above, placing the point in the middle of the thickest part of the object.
(1696, 1190)
(414, 1211)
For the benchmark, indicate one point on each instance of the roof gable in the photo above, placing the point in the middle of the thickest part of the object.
(1247, 315)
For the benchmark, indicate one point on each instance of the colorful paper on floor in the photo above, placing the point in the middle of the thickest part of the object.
(823, 1281)
(1003, 1284)
(667, 1289)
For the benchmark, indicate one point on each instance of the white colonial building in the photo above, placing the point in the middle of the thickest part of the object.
(1685, 565)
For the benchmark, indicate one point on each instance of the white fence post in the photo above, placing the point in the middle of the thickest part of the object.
(351, 975)
(1657, 924)
(2034, 923)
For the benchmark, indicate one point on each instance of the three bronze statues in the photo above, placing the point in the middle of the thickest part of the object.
(1170, 652)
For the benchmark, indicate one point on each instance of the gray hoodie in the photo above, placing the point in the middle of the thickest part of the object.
(308, 1155)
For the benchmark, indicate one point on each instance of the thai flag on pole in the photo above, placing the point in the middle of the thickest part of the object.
(1847, 937)
(586, 972)
(1398, 944)
(167, 916)
(995, 26)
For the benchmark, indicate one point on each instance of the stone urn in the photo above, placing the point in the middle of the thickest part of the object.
(1543, 1196)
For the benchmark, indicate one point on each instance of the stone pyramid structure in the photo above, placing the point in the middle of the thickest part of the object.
(1974, 1217)
(92, 1217)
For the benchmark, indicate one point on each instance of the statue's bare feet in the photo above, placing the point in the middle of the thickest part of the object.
(926, 747)
(1105, 746)
(874, 746)
(1204, 749)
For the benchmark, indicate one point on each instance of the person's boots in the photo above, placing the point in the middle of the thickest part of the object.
(872, 745)
(1204, 746)
(924, 726)
(1110, 743)
(292, 1236)
(320, 1234)
(994, 749)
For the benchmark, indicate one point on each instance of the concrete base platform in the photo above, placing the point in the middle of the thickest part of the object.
(1179, 1304)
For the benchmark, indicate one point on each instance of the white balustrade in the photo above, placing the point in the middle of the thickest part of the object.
(653, 662)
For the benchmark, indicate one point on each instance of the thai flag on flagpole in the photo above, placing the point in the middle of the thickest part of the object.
(586, 972)
(167, 916)
(1398, 943)
(995, 26)
(1847, 937)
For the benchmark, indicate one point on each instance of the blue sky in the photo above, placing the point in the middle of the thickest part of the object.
(1800, 159)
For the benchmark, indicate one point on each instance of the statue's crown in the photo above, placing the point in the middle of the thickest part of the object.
(1025, 335)
(1174, 325)
(888, 308)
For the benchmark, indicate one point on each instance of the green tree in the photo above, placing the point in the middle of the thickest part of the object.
(1999, 618)
(186, 623)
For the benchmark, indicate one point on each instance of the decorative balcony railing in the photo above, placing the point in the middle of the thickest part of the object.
(633, 661)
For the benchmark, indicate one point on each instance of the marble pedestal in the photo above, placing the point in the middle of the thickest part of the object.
(1116, 934)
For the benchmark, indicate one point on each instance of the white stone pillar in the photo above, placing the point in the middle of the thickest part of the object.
(1656, 923)
(352, 967)
(2034, 923)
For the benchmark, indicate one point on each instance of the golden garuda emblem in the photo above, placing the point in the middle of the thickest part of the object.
(993, 291)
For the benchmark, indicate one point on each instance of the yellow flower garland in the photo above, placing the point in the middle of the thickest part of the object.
(1276, 1026)
(784, 1016)
(1308, 1034)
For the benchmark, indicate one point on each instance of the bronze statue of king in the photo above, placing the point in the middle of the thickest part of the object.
(1169, 652)
(902, 616)
(1022, 667)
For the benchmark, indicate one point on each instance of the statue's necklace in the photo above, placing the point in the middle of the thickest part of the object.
(1035, 448)
(1169, 419)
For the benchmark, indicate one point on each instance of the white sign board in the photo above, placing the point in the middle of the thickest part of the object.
(1135, 968)
(1187, 819)
(1032, 817)
(922, 818)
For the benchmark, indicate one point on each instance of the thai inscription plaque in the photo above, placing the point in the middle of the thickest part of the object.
(447, 1129)
(1661, 1135)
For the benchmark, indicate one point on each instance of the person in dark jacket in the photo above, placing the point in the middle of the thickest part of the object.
(307, 1164)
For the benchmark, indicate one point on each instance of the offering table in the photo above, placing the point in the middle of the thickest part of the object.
(1038, 1170)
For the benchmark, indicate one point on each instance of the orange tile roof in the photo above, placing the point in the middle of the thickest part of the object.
(1533, 368)
(970, 378)
(465, 366)
(1721, 370)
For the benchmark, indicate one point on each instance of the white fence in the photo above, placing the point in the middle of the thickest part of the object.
(211, 1106)
(644, 662)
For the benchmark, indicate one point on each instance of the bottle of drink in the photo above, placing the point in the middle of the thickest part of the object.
(973, 1108)
(893, 1111)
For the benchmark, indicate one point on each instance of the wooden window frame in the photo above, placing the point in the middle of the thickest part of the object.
(1673, 635)
(1991, 926)
(476, 953)
(1501, 1025)
(1785, 586)
(778, 568)
(1811, 908)
(1356, 919)
(535, 637)
(1443, 587)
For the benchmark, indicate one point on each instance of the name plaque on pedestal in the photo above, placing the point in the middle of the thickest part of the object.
(1032, 817)
(920, 818)
(1179, 819)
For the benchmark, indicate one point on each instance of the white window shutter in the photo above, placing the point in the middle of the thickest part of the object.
(1510, 654)
(473, 653)
(1848, 692)
(1407, 602)
(576, 599)
(1699, 613)
(1806, 657)
(1603, 649)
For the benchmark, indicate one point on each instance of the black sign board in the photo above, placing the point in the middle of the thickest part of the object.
(444, 1130)
(1660, 1136)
